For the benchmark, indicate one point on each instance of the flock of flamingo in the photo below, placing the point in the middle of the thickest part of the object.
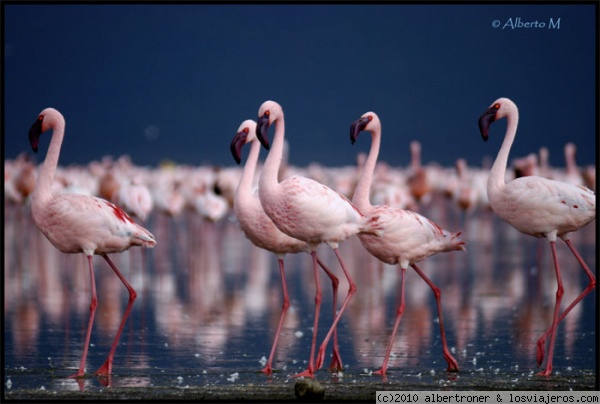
(286, 210)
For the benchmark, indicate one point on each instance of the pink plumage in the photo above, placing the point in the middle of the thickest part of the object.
(76, 223)
(407, 237)
(539, 207)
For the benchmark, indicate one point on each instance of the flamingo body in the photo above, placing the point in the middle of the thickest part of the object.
(76, 223)
(539, 207)
(407, 237)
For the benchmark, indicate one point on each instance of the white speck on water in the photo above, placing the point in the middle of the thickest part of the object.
(197, 355)
(294, 361)
(263, 361)
(479, 370)
(92, 345)
(432, 372)
(474, 361)
(298, 334)
(569, 368)
(204, 372)
(453, 350)
(285, 367)
(42, 388)
(166, 344)
(233, 377)
(8, 383)
(179, 379)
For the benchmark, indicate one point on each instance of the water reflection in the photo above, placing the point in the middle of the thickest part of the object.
(209, 301)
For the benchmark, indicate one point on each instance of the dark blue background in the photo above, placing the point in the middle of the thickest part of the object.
(174, 82)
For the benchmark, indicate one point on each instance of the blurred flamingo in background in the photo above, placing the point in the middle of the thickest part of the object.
(539, 207)
(263, 233)
(407, 236)
(307, 210)
(76, 223)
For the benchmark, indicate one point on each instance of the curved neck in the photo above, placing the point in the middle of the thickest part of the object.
(496, 179)
(268, 179)
(363, 188)
(43, 185)
(245, 185)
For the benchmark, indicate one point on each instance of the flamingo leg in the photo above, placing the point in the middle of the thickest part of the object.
(552, 330)
(88, 334)
(555, 318)
(452, 363)
(106, 368)
(336, 361)
(399, 312)
(284, 308)
(591, 286)
(309, 372)
(351, 292)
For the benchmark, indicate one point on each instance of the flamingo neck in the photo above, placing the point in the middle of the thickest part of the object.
(363, 188)
(43, 185)
(496, 180)
(269, 177)
(245, 184)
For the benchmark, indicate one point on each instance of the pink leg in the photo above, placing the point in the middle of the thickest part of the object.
(336, 361)
(399, 313)
(591, 286)
(309, 372)
(88, 334)
(284, 308)
(351, 292)
(452, 364)
(106, 368)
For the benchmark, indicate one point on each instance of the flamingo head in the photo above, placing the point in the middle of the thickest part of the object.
(246, 133)
(500, 108)
(368, 121)
(48, 118)
(268, 113)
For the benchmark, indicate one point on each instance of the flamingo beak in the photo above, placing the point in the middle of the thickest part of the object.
(239, 140)
(358, 126)
(486, 120)
(35, 132)
(262, 129)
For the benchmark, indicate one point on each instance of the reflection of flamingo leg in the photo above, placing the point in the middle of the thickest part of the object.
(106, 368)
(542, 341)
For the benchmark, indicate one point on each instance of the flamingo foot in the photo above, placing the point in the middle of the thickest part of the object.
(381, 372)
(336, 363)
(307, 373)
(76, 376)
(545, 373)
(320, 358)
(105, 369)
(267, 370)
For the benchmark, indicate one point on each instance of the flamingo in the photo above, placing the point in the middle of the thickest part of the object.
(407, 236)
(263, 233)
(76, 223)
(307, 210)
(539, 207)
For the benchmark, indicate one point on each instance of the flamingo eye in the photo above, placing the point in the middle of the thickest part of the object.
(497, 106)
(246, 130)
(267, 112)
(370, 118)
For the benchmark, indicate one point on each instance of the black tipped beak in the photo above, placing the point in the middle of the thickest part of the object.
(262, 130)
(357, 126)
(486, 120)
(34, 133)
(239, 140)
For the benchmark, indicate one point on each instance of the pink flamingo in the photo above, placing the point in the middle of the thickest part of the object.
(76, 223)
(540, 207)
(307, 210)
(407, 236)
(263, 233)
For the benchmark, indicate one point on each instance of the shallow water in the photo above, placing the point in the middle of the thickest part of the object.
(208, 304)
